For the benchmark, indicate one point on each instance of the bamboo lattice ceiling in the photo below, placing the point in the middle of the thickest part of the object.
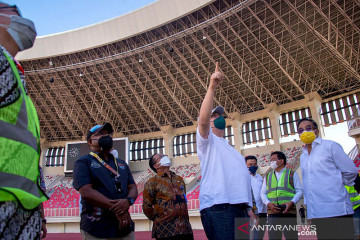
(272, 51)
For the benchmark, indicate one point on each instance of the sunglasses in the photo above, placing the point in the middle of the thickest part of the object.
(307, 128)
(14, 7)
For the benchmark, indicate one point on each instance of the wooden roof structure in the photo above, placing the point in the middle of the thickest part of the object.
(272, 51)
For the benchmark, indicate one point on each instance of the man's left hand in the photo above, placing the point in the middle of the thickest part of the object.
(253, 218)
(120, 206)
(43, 230)
(289, 205)
(124, 220)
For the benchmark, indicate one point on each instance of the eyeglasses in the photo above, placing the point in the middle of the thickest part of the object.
(307, 128)
(16, 9)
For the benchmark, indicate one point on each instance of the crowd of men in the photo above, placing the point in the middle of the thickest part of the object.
(232, 193)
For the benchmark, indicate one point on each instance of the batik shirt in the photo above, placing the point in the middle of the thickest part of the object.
(164, 203)
(9, 89)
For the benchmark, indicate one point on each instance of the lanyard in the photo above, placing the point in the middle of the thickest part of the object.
(107, 165)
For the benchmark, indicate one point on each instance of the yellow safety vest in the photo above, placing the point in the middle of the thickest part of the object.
(354, 196)
(20, 150)
(279, 192)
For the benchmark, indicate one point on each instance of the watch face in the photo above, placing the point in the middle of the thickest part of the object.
(73, 152)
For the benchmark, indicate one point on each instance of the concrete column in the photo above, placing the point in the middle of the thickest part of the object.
(237, 123)
(314, 102)
(274, 117)
(168, 136)
(43, 147)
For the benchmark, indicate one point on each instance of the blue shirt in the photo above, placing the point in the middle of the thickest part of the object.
(99, 222)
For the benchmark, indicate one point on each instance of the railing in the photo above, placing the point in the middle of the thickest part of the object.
(193, 204)
(354, 153)
(354, 121)
(61, 212)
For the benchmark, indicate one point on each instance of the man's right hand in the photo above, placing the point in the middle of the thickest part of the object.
(120, 206)
(216, 78)
(273, 208)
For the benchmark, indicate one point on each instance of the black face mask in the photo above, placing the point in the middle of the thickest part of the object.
(105, 143)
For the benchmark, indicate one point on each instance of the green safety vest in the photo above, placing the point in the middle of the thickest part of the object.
(20, 150)
(354, 196)
(282, 191)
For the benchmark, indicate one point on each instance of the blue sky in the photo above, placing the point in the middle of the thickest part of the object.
(54, 16)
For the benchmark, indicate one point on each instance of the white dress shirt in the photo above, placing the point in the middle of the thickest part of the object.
(224, 175)
(256, 184)
(297, 187)
(325, 172)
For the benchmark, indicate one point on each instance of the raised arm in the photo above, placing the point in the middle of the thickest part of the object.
(206, 106)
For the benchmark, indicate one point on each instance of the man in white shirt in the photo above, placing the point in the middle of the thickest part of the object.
(256, 184)
(325, 170)
(281, 190)
(225, 190)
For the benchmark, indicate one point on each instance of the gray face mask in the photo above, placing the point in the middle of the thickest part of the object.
(22, 30)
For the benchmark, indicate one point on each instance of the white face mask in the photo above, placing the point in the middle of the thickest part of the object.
(22, 30)
(273, 164)
(165, 161)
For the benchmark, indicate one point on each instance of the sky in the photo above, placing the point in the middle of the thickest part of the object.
(55, 16)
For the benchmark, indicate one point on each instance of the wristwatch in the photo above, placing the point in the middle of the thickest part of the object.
(131, 200)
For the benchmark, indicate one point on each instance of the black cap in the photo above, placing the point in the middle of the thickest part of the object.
(98, 128)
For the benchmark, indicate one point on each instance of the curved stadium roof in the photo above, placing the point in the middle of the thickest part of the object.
(155, 71)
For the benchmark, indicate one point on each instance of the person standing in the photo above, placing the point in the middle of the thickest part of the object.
(355, 201)
(256, 184)
(302, 213)
(164, 202)
(20, 192)
(107, 189)
(325, 170)
(225, 188)
(281, 190)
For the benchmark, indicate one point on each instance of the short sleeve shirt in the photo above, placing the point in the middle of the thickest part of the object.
(225, 177)
(101, 223)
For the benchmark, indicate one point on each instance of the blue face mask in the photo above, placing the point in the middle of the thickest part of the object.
(220, 123)
(253, 169)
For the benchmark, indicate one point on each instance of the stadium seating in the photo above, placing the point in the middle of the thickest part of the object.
(194, 194)
(62, 194)
(357, 161)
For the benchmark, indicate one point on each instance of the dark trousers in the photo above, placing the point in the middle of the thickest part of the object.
(259, 234)
(179, 237)
(287, 220)
(222, 221)
(341, 227)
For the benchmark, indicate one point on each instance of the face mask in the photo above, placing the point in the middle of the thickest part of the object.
(220, 123)
(165, 161)
(22, 30)
(273, 164)
(105, 143)
(307, 137)
(253, 169)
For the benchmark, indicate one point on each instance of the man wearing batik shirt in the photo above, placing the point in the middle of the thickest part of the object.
(164, 202)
